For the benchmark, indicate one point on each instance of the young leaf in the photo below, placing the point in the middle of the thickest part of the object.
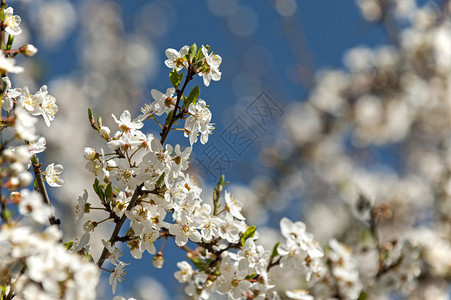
(192, 52)
(99, 190)
(160, 180)
(250, 231)
(68, 245)
(193, 96)
(274, 250)
(185, 101)
(108, 192)
(175, 78)
(169, 117)
(198, 263)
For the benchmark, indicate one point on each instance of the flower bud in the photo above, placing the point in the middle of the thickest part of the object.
(16, 168)
(105, 132)
(28, 50)
(158, 260)
(9, 154)
(12, 183)
(16, 197)
(89, 226)
(25, 179)
(89, 153)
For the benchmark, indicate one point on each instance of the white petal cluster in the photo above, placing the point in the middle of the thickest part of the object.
(300, 250)
(198, 122)
(17, 161)
(48, 269)
(40, 103)
(12, 22)
(209, 69)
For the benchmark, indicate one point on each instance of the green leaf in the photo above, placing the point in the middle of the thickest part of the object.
(89, 257)
(198, 263)
(193, 96)
(200, 55)
(274, 250)
(185, 101)
(99, 190)
(169, 117)
(251, 276)
(175, 78)
(10, 42)
(108, 192)
(160, 180)
(7, 214)
(250, 231)
(363, 296)
(192, 52)
(68, 245)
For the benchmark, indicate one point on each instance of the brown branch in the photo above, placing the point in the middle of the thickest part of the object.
(117, 229)
(138, 191)
(41, 188)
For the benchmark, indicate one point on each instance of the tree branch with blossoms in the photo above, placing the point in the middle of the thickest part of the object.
(145, 189)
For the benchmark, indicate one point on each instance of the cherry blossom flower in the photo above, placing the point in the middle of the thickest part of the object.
(52, 175)
(183, 232)
(37, 146)
(126, 123)
(30, 102)
(163, 103)
(185, 273)
(9, 94)
(233, 205)
(114, 253)
(118, 274)
(211, 69)
(12, 22)
(48, 106)
(198, 122)
(299, 295)
(229, 228)
(25, 124)
(33, 205)
(176, 58)
(232, 280)
(7, 65)
(83, 206)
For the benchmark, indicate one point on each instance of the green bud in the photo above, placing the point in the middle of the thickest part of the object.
(99, 122)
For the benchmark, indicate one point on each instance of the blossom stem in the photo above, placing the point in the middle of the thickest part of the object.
(153, 118)
(41, 188)
(167, 128)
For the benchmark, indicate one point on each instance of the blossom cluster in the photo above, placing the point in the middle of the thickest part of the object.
(34, 264)
(390, 106)
(141, 179)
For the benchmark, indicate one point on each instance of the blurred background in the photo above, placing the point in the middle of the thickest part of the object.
(292, 138)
